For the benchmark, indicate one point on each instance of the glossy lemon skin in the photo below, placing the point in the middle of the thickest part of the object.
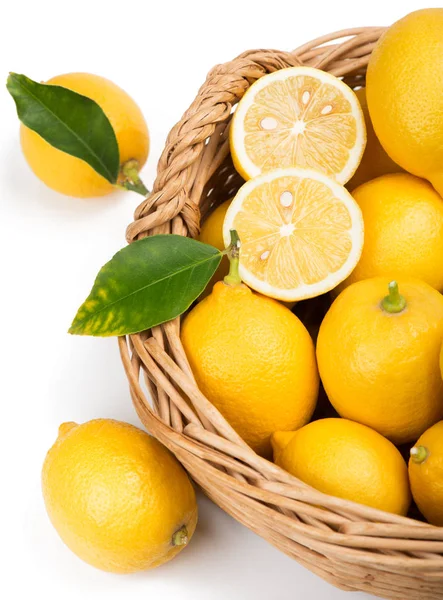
(212, 233)
(403, 219)
(116, 496)
(375, 161)
(254, 360)
(381, 369)
(403, 87)
(347, 460)
(427, 478)
(69, 175)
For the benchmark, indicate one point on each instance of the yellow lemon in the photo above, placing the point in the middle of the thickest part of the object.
(117, 497)
(375, 161)
(378, 356)
(298, 117)
(403, 87)
(212, 233)
(403, 218)
(347, 460)
(301, 233)
(70, 175)
(254, 360)
(426, 474)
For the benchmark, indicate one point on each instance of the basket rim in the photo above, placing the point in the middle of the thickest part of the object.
(350, 545)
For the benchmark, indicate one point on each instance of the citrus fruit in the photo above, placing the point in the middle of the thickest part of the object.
(375, 160)
(403, 87)
(298, 117)
(117, 497)
(403, 217)
(378, 356)
(212, 229)
(426, 474)
(212, 233)
(301, 233)
(254, 360)
(70, 175)
(347, 460)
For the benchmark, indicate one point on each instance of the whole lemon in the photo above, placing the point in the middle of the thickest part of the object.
(117, 497)
(70, 175)
(347, 460)
(212, 233)
(378, 356)
(254, 360)
(375, 160)
(212, 229)
(403, 87)
(426, 474)
(403, 218)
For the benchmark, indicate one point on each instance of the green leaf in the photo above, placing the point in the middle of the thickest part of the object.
(147, 283)
(68, 121)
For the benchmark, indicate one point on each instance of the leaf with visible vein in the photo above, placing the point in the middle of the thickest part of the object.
(149, 282)
(68, 121)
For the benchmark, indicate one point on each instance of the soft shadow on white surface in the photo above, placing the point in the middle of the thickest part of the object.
(232, 563)
(31, 190)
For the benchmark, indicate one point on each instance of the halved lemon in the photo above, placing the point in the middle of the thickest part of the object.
(301, 233)
(298, 117)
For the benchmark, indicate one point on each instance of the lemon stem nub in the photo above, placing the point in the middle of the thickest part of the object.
(180, 537)
(233, 252)
(419, 454)
(131, 178)
(394, 302)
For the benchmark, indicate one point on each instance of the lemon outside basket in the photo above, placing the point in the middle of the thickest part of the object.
(349, 545)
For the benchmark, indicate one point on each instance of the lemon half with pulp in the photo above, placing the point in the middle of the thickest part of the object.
(301, 233)
(298, 117)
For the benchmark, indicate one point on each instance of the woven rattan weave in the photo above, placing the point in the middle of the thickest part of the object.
(351, 546)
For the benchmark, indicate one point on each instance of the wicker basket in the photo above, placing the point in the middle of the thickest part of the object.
(349, 545)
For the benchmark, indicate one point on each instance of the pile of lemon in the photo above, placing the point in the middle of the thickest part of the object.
(116, 496)
(298, 137)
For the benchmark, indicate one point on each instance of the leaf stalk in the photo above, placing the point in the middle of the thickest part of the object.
(131, 178)
(233, 252)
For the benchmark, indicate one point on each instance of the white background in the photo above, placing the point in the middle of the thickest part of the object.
(52, 247)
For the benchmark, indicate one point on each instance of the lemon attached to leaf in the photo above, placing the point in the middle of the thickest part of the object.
(81, 134)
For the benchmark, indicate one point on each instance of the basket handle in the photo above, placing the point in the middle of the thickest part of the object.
(183, 167)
